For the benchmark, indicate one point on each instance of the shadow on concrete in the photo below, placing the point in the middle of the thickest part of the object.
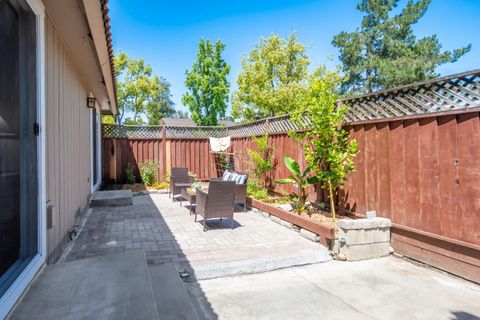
(114, 230)
(460, 315)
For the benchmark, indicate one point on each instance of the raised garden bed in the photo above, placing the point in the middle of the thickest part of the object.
(325, 232)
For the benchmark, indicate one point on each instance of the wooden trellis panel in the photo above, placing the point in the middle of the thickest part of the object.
(453, 93)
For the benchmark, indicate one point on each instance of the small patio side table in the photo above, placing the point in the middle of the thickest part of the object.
(190, 195)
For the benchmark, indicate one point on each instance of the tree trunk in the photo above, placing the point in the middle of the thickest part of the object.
(332, 201)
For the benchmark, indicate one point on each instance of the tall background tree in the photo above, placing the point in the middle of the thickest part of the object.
(207, 84)
(383, 52)
(140, 92)
(272, 78)
(181, 114)
(164, 106)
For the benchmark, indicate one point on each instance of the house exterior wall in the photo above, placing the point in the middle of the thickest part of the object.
(68, 141)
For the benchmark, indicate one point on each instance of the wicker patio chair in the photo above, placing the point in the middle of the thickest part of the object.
(179, 179)
(217, 202)
(240, 189)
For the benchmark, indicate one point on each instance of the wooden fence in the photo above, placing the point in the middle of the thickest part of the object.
(418, 163)
(118, 153)
(423, 174)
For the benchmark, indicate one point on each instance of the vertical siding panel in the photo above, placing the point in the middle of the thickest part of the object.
(382, 162)
(428, 187)
(397, 173)
(371, 195)
(58, 92)
(448, 188)
(468, 143)
(412, 198)
(67, 145)
(51, 131)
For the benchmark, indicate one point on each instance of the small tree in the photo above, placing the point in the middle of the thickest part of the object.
(328, 150)
(262, 160)
(207, 84)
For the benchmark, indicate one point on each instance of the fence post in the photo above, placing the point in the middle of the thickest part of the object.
(164, 151)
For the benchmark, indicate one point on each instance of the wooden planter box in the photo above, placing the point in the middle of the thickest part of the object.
(325, 232)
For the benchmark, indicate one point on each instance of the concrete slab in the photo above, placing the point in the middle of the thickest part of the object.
(240, 267)
(386, 288)
(115, 286)
(172, 299)
(114, 198)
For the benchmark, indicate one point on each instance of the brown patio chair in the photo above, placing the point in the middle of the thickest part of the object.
(179, 179)
(217, 202)
(240, 189)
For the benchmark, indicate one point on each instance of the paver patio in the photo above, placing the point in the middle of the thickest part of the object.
(167, 233)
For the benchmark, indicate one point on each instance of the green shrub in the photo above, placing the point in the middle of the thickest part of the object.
(161, 185)
(255, 190)
(262, 160)
(148, 172)
(129, 175)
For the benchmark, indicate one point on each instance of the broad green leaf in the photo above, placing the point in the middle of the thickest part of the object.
(292, 165)
(286, 181)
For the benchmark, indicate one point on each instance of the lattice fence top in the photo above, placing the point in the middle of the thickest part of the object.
(139, 132)
(452, 93)
(195, 132)
(456, 92)
(155, 132)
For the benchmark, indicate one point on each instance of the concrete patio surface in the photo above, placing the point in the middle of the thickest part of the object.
(116, 286)
(168, 234)
(386, 288)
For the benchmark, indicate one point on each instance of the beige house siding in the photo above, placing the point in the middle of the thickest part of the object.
(67, 141)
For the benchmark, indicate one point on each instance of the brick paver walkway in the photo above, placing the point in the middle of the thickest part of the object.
(167, 233)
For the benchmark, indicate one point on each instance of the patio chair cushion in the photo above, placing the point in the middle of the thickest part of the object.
(238, 178)
(226, 175)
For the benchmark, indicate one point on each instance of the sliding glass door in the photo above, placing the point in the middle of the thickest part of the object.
(18, 140)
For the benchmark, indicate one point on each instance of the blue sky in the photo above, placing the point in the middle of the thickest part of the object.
(166, 33)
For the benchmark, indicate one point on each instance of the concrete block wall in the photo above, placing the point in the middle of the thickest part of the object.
(364, 238)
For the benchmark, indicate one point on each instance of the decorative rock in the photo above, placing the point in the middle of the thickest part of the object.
(296, 228)
(392, 251)
(364, 223)
(340, 257)
(286, 207)
(287, 224)
(309, 235)
(335, 245)
(276, 219)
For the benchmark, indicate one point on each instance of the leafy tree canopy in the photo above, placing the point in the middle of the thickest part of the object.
(108, 119)
(140, 92)
(181, 114)
(207, 84)
(164, 106)
(383, 52)
(272, 78)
